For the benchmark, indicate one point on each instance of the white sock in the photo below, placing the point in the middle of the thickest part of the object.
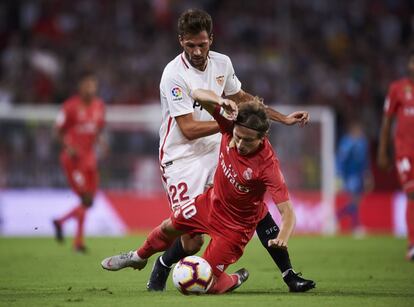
(287, 272)
(135, 256)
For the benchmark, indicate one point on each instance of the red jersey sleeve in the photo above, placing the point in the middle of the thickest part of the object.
(275, 182)
(226, 126)
(391, 101)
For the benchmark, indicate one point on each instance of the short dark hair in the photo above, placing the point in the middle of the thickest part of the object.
(85, 74)
(252, 114)
(194, 21)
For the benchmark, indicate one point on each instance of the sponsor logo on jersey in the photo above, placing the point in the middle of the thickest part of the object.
(231, 175)
(177, 93)
(220, 80)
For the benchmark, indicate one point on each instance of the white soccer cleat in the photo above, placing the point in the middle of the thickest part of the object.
(122, 261)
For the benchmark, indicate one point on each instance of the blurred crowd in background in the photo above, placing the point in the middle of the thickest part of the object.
(336, 53)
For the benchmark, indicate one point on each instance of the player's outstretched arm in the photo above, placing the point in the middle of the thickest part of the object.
(298, 117)
(209, 100)
(382, 153)
(288, 224)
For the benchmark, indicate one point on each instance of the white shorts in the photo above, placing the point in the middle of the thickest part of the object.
(185, 179)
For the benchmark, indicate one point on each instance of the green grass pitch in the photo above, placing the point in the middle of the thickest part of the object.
(349, 272)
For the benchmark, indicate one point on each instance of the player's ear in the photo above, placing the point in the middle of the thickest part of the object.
(211, 38)
(180, 39)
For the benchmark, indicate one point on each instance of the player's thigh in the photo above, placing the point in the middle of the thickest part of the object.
(186, 181)
(221, 253)
(192, 217)
(405, 168)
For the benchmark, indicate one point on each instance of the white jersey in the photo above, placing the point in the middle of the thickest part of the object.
(178, 78)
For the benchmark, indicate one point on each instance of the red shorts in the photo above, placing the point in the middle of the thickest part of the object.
(82, 177)
(405, 168)
(226, 245)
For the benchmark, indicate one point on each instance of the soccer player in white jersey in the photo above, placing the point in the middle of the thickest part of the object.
(189, 142)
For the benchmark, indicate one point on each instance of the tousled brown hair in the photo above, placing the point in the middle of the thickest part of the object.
(194, 21)
(252, 114)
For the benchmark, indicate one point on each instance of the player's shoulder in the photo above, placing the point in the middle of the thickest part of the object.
(219, 57)
(177, 64)
(399, 83)
(267, 155)
(71, 102)
(174, 70)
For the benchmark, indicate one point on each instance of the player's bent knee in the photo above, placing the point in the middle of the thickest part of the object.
(192, 245)
(168, 228)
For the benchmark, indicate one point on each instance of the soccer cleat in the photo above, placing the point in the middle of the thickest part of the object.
(80, 249)
(58, 231)
(122, 261)
(298, 284)
(159, 276)
(242, 276)
(410, 253)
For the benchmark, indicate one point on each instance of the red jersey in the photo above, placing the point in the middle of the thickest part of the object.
(80, 124)
(240, 182)
(400, 103)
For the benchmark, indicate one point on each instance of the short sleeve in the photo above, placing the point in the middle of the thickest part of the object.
(275, 182)
(177, 95)
(391, 101)
(232, 85)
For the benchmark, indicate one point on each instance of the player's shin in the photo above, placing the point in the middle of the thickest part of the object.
(158, 240)
(223, 283)
(267, 230)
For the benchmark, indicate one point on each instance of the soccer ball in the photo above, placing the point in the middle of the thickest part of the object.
(192, 275)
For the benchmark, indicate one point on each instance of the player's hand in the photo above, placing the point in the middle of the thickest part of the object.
(229, 108)
(298, 117)
(277, 243)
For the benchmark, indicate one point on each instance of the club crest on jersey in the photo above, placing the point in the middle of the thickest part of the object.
(177, 93)
(220, 80)
(248, 174)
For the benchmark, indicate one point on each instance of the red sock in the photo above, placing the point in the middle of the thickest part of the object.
(223, 283)
(79, 231)
(72, 213)
(410, 221)
(156, 242)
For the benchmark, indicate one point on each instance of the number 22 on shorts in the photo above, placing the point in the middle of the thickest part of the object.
(182, 189)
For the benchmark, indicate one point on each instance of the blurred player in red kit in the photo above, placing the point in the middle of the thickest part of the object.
(399, 104)
(79, 124)
(230, 210)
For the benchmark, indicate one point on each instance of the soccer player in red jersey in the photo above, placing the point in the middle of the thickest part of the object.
(399, 104)
(79, 124)
(230, 210)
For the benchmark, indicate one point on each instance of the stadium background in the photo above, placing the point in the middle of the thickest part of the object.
(340, 55)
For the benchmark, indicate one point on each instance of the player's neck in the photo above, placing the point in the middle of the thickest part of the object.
(86, 100)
